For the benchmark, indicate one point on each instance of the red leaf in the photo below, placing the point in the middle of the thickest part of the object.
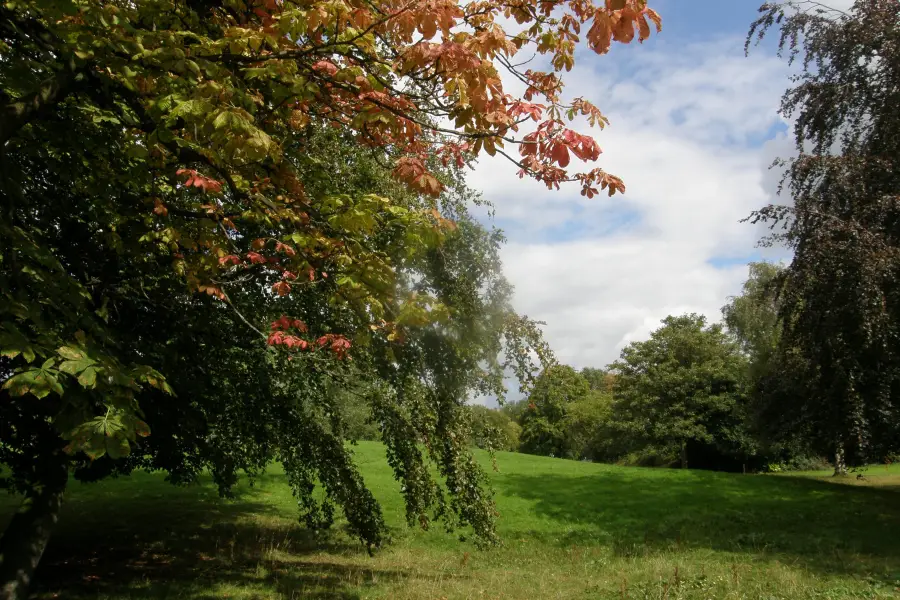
(282, 288)
(560, 154)
(326, 67)
(282, 323)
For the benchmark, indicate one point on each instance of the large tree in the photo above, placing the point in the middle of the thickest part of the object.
(840, 299)
(183, 256)
(682, 387)
(544, 420)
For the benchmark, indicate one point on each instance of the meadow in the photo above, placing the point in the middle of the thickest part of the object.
(569, 529)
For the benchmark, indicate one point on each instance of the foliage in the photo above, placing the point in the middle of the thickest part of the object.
(840, 299)
(798, 463)
(685, 385)
(492, 429)
(599, 379)
(729, 535)
(753, 316)
(356, 414)
(544, 421)
(588, 427)
(567, 414)
(515, 409)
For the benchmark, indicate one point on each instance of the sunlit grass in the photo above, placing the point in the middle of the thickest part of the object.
(570, 530)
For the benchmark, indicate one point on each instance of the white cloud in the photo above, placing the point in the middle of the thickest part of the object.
(686, 135)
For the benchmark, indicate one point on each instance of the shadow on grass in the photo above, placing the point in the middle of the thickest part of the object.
(165, 542)
(826, 527)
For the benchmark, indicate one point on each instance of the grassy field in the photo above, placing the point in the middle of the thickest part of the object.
(570, 530)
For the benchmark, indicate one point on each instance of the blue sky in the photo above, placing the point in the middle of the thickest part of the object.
(694, 19)
(694, 129)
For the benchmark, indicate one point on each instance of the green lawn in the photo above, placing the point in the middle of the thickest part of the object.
(570, 530)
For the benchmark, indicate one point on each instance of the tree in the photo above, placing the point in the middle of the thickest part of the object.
(587, 425)
(599, 379)
(839, 303)
(775, 376)
(683, 386)
(753, 316)
(515, 409)
(544, 421)
(492, 429)
(164, 195)
(239, 406)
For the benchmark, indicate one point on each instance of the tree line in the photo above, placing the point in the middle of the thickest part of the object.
(693, 395)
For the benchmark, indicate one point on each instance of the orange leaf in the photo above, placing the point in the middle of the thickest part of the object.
(282, 288)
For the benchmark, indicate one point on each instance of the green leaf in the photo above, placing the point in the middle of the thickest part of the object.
(88, 377)
(37, 382)
(117, 447)
(71, 353)
(74, 367)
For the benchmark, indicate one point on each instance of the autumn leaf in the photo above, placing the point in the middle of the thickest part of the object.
(159, 208)
(282, 288)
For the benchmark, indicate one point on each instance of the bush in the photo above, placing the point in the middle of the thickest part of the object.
(799, 463)
(651, 456)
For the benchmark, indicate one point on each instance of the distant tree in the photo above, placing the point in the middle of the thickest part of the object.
(515, 409)
(587, 427)
(358, 420)
(840, 301)
(753, 316)
(684, 385)
(599, 379)
(543, 422)
(492, 429)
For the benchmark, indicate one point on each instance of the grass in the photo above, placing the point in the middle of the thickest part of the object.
(570, 530)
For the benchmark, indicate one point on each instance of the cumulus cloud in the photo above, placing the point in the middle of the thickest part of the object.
(688, 135)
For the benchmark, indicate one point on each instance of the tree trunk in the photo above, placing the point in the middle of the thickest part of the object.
(840, 465)
(25, 539)
(684, 456)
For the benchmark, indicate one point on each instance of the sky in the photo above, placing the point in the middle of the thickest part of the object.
(694, 130)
